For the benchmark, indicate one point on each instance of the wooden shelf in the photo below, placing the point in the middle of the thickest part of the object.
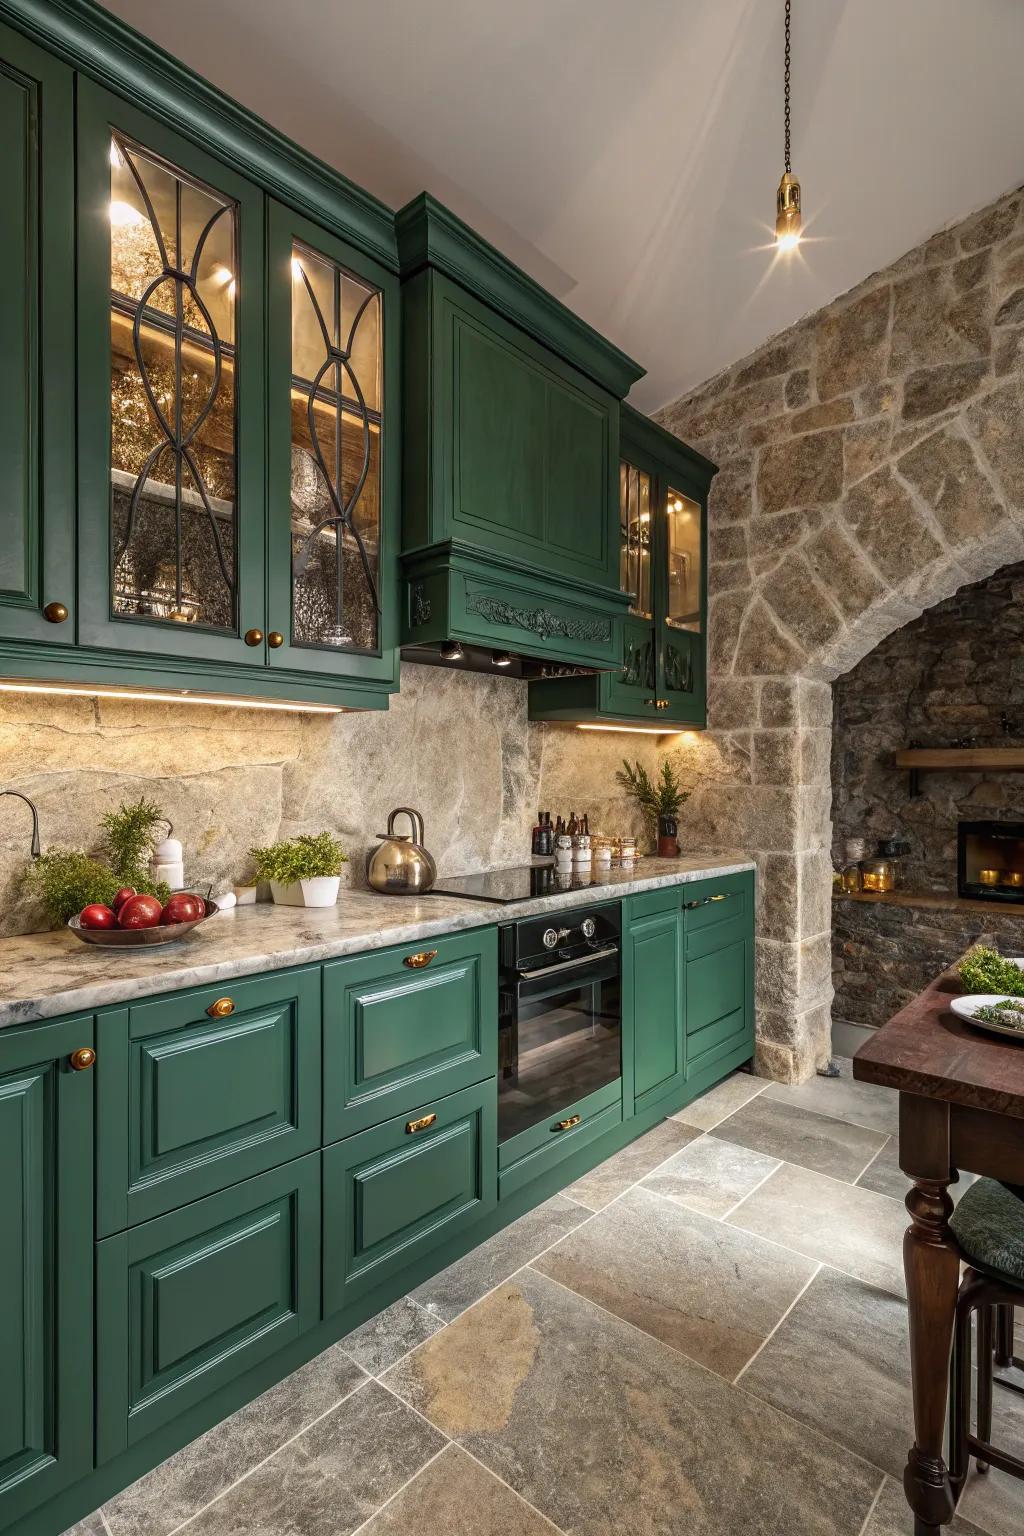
(965, 759)
(930, 901)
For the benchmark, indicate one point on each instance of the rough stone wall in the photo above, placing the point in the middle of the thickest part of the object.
(871, 463)
(954, 674)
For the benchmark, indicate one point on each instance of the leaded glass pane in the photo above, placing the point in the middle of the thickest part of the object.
(336, 409)
(174, 291)
(635, 537)
(683, 523)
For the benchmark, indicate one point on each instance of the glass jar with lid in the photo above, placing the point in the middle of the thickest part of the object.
(878, 875)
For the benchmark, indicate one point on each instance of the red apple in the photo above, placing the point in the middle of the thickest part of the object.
(96, 915)
(140, 912)
(122, 896)
(183, 907)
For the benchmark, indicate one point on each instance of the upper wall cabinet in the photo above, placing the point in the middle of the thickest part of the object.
(660, 677)
(37, 596)
(511, 455)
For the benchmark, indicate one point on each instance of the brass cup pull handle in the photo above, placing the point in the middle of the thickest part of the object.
(661, 703)
(82, 1059)
(275, 639)
(418, 961)
(55, 613)
(253, 637)
(221, 1008)
(652, 702)
(412, 1126)
(567, 1125)
(719, 896)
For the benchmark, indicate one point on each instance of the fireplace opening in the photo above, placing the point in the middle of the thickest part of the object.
(990, 860)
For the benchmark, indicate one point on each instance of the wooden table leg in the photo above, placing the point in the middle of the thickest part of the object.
(932, 1263)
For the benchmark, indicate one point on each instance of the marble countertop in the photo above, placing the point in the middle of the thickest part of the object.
(43, 975)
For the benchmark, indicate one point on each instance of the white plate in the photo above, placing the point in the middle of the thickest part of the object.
(967, 1008)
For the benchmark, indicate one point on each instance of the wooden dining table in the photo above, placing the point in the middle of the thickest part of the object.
(961, 1110)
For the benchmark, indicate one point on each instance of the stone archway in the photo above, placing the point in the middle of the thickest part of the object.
(871, 463)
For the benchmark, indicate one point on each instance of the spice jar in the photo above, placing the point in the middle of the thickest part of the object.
(896, 853)
(850, 879)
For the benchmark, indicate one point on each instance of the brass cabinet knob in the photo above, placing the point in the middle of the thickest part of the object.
(412, 1126)
(274, 639)
(82, 1059)
(55, 613)
(417, 962)
(254, 637)
(221, 1008)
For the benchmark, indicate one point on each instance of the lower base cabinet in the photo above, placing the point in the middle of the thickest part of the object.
(191, 1300)
(395, 1192)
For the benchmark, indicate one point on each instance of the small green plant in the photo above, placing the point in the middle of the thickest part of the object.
(70, 880)
(130, 838)
(984, 970)
(663, 796)
(307, 857)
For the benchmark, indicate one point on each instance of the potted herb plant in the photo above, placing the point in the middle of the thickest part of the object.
(659, 802)
(304, 871)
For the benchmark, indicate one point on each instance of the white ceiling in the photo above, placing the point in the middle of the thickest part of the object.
(626, 152)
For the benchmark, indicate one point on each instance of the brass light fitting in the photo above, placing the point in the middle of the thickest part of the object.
(787, 199)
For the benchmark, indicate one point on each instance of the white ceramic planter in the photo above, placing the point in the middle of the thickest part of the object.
(319, 892)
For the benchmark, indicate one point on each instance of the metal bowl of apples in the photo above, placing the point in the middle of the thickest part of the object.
(135, 921)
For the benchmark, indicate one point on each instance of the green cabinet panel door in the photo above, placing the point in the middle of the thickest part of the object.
(205, 1088)
(402, 1024)
(193, 1299)
(395, 1192)
(46, 1348)
(655, 993)
(37, 590)
(718, 928)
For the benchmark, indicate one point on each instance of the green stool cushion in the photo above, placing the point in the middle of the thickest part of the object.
(989, 1226)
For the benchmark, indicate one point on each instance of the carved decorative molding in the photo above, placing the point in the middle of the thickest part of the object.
(420, 605)
(539, 621)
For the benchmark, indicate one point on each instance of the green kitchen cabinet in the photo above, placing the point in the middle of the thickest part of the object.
(46, 1290)
(660, 675)
(193, 1299)
(511, 452)
(405, 1024)
(203, 1089)
(655, 996)
(718, 934)
(393, 1193)
(37, 581)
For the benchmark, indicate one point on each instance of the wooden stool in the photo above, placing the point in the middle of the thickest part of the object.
(989, 1226)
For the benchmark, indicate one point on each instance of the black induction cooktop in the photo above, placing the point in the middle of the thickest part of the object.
(524, 882)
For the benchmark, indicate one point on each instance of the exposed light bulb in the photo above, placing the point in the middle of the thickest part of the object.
(787, 213)
(296, 268)
(222, 276)
(677, 505)
(123, 214)
(501, 658)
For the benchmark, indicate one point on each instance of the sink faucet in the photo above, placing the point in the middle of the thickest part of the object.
(35, 817)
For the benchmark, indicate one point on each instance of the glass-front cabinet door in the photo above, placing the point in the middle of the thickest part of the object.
(171, 397)
(681, 566)
(634, 688)
(332, 386)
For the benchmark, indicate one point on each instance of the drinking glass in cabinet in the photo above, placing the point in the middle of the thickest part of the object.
(173, 296)
(336, 414)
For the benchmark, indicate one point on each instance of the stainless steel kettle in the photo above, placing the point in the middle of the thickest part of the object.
(400, 865)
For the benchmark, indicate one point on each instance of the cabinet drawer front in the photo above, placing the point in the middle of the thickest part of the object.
(194, 1299)
(715, 987)
(522, 1158)
(394, 1192)
(394, 1032)
(211, 1100)
(708, 904)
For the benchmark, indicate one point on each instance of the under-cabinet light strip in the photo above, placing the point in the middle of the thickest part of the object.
(635, 730)
(170, 697)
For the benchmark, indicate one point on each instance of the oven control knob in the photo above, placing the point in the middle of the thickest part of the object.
(588, 927)
(549, 938)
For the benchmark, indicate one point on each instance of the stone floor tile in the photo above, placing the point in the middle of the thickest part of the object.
(886, 1177)
(850, 1228)
(92, 1525)
(453, 1290)
(385, 1338)
(864, 1104)
(722, 1100)
(711, 1175)
(333, 1476)
(708, 1290)
(625, 1168)
(189, 1479)
(892, 1516)
(456, 1496)
(605, 1430)
(994, 1501)
(802, 1136)
(839, 1363)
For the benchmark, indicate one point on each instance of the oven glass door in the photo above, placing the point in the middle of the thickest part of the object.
(559, 1040)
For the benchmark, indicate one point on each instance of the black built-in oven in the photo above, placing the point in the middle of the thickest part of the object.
(560, 1013)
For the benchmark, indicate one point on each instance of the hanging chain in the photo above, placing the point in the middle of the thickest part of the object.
(788, 9)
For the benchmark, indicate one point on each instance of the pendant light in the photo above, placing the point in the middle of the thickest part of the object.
(787, 199)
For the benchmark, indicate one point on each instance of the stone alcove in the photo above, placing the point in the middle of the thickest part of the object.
(871, 464)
